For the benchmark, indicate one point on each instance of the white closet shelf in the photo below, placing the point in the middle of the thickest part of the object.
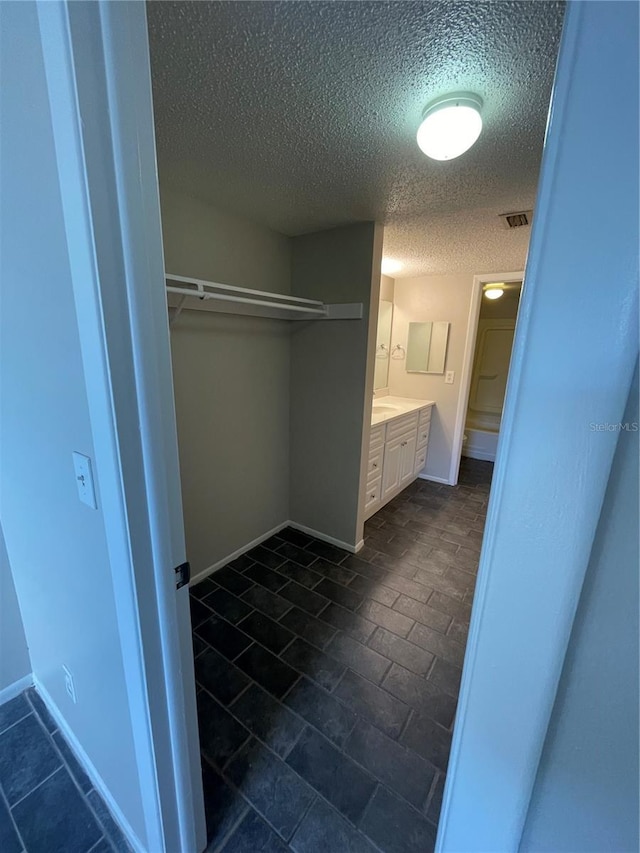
(183, 292)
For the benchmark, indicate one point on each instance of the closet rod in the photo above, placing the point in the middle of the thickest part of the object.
(201, 284)
(224, 297)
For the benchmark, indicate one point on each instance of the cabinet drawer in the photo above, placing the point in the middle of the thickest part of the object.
(372, 495)
(376, 437)
(425, 416)
(421, 458)
(423, 434)
(402, 425)
(374, 468)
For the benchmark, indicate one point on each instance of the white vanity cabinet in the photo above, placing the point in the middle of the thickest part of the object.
(397, 454)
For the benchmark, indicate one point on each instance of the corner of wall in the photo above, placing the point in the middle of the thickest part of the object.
(15, 662)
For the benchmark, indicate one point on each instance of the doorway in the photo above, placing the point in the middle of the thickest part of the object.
(490, 370)
(597, 463)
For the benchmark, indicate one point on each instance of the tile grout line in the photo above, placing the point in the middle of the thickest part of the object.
(379, 684)
(94, 846)
(4, 799)
(65, 766)
(366, 644)
(35, 787)
(15, 722)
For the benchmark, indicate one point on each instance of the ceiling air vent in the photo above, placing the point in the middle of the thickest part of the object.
(516, 220)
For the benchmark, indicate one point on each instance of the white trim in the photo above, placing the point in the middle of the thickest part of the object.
(238, 553)
(99, 84)
(219, 564)
(87, 765)
(63, 52)
(443, 480)
(467, 364)
(15, 688)
(346, 546)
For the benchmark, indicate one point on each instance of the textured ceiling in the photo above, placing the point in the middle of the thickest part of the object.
(302, 115)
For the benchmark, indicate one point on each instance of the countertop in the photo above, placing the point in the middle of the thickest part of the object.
(395, 408)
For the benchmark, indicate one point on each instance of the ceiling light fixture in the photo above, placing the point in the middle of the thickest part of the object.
(494, 290)
(389, 266)
(450, 125)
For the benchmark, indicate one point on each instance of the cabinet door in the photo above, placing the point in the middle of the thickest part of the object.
(407, 458)
(391, 467)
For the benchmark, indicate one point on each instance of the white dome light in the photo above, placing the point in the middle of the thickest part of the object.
(450, 126)
(494, 291)
(390, 266)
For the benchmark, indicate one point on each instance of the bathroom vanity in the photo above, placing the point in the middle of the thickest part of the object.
(397, 448)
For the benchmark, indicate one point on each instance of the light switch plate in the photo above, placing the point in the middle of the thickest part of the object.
(449, 377)
(84, 479)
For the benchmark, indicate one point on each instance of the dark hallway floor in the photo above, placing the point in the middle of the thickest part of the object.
(48, 804)
(328, 683)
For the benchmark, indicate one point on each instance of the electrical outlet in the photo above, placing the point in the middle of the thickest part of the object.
(69, 685)
(449, 377)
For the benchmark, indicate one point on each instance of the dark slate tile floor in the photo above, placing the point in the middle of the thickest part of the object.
(47, 802)
(328, 682)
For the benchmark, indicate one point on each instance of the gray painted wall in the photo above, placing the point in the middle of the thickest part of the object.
(586, 793)
(256, 399)
(56, 545)
(231, 382)
(332, 378)
(14, 654)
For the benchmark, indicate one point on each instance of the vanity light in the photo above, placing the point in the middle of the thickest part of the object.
(494, 291)
(389, 266)
(450, 125)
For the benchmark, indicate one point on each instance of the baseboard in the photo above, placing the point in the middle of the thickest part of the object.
(89, 768)
(484, 455)
(441, 480)
(12, 690)
(353, 549)
(238, 553)
(346, 546)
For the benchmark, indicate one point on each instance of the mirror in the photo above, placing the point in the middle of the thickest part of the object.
(427, 347)
(383, 345)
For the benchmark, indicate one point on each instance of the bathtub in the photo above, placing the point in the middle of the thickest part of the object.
(482, 433)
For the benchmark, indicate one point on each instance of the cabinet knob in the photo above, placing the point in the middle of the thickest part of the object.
(404, 444)
(375, 465)
(372, 496)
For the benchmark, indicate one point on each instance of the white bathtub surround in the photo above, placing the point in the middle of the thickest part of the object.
(480, 444)
(398, 443)
(488, 384)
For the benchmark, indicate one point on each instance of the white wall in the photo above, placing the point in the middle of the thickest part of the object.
(56, 545)
(586, 792)
(386, 288)
(231, 382)
(15, 663)
(433, 298)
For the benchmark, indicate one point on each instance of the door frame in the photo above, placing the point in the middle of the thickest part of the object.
(467, 361)
(573, 360)
(98, 75)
